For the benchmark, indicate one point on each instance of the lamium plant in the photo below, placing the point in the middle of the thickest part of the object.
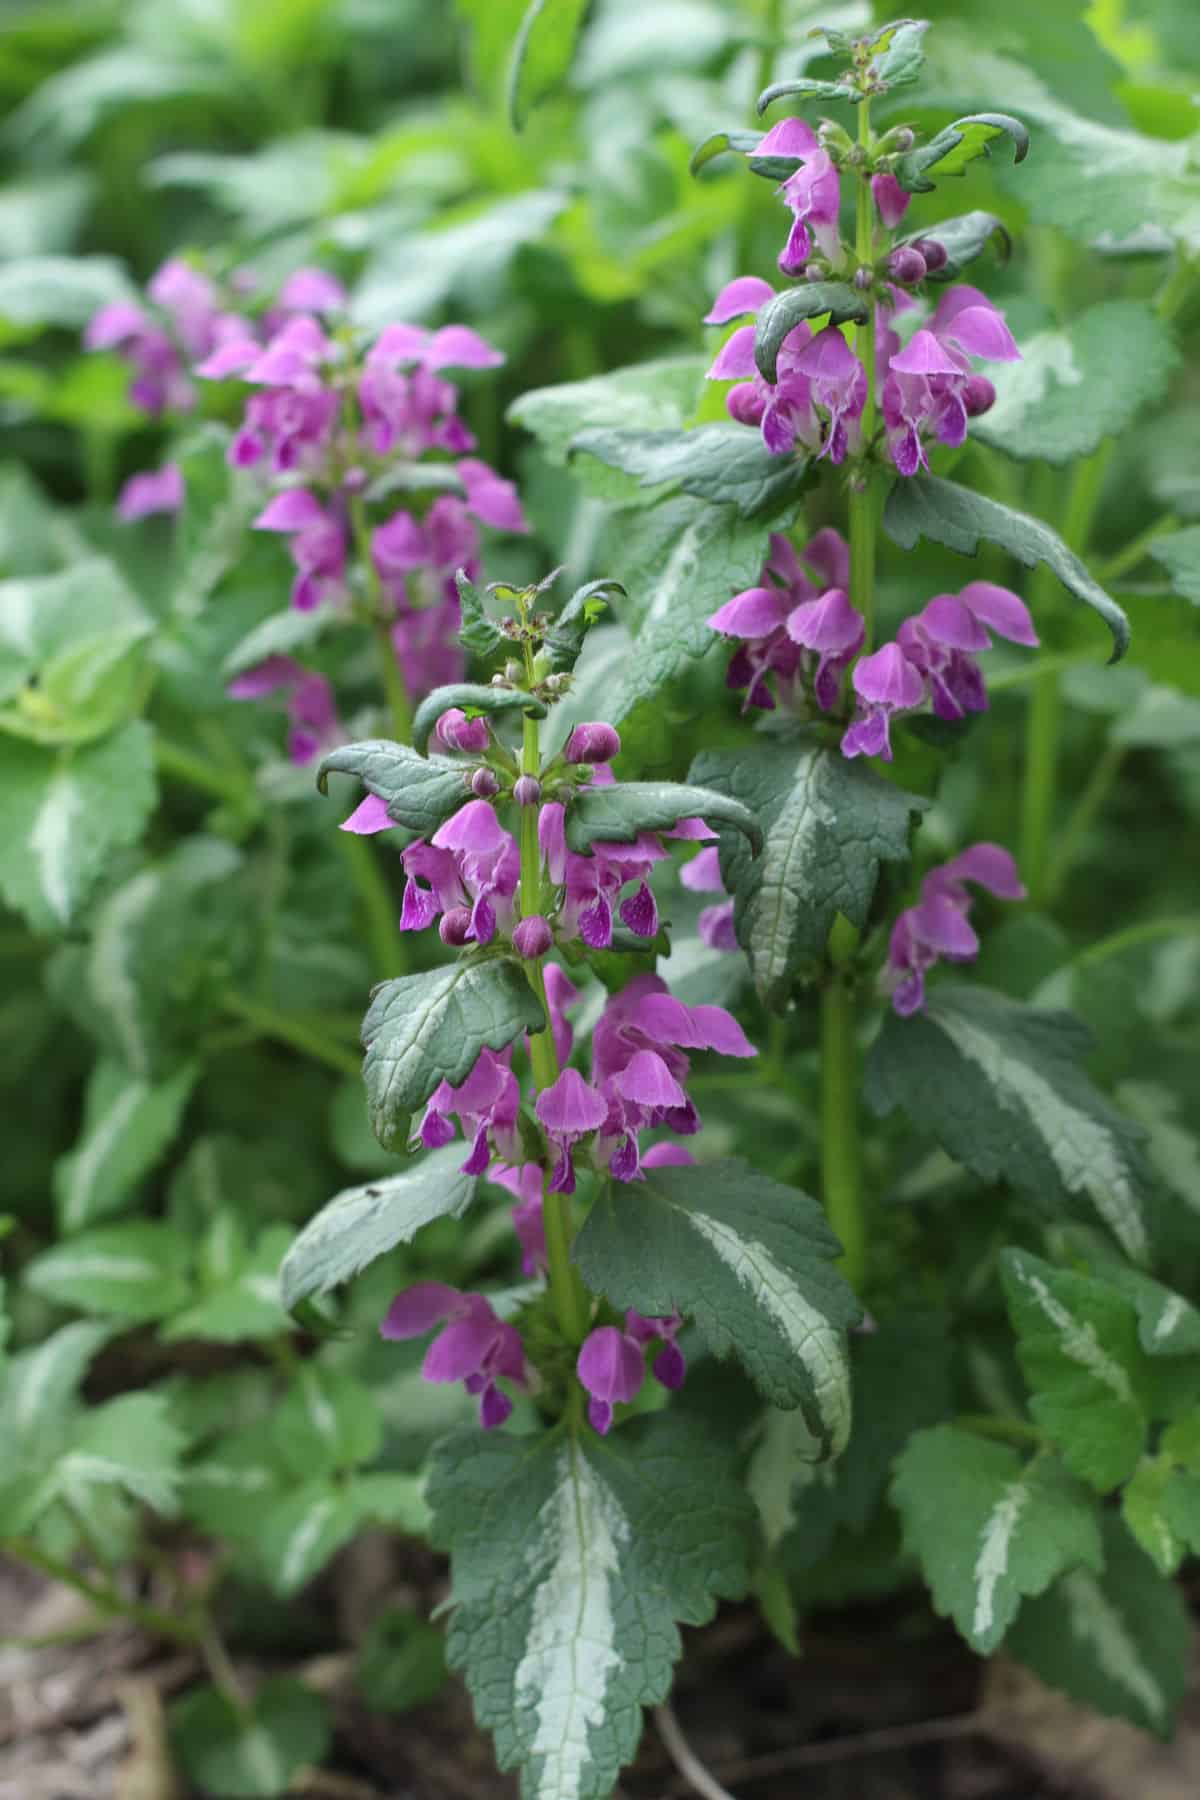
(709, 1238)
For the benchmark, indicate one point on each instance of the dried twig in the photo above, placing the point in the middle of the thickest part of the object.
(846, 1749)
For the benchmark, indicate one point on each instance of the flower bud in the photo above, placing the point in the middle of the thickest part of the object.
(454, 925)
(863, 278)
(933, 252)
(594, 742)
(527, 790)
(815, 271)
(454, 731)
(513, 671)
(903, 139)
(906, 265)
(834, 139)
(484, 784)
(979, 396)
(533, 936)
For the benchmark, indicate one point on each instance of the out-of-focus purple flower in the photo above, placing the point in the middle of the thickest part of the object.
(759, 617)
(612, 1367)
(454, 731)
(568, 1110)
(891, 200)
(486, 1104)
(153, 491)
(294, 418)
(315, 726)
(703, 876)
(561, 994)
(491, 498)
(406, 405)
(317, 542)
(525, 1182)
(314, 291)
(938, 926)
(474, 1346)
(427, 648)
(885, 683)
(928, 383)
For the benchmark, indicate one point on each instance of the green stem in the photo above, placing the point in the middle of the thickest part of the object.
(104, 1598)
(1173, 295)
(1019, 1431)
(184, 765)
(1136, 549)
(399, 704)
(566, 1289)
(1040, 790)
(285, 1028)
(1186, 926)
(841, 1170)
(1087, 808)
(863, 522)
(378, 905)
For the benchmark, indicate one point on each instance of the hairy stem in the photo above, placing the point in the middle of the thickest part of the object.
(1040, 791)
(841, 1169)
(566, 1288)
(286, 1028)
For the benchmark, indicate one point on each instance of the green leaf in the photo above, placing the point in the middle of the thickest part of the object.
(954, 147)
(363, 1223)
(1173, 1149)
(680, 560)
(927, 506)
(773, 168)
(478, 632)
(39, 1386)
(1010, 1527)
(964, 238)
(282, 634)
(128, 1124)
(64, 813)
(1002, 1088)
(328, 1421)
(1077, 1342)
(897, 52)
(65, 632)
(751, 1261)
(1118, 1642)
(572, 1559)
(723, 462)
(616, 814)
(567, 635)
(418, 791)
(806, 88)
(60, 290)
(1179, 554)
(472, 698)
(129, 1443)
(252, 1754)
(650, 396)
(828, 824)
(424, 1029)
(136, 1271)
(811, 300)
(1168, 1325)
(1155, 1498)
(161, 948)
(1074, 388)
(296, 1533)
(542, 53)
(402, 1662)
(245, 1305)
(1114, 187)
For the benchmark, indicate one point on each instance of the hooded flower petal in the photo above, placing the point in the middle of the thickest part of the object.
(744, 294)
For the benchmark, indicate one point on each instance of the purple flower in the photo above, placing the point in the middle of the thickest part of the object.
(314, 291)
(317, 542)
(838, 382)
(405, 404)
(612, 1367)
(759, 617)
(890, 199)
(592, 884)
(943, 640)
(533, 936)
(154, 491)
(561, 993)
(527, 1215)
(670, 1367)
(491, 498)
(427, 649)
(885, 683)
(938, 925)
(639, 1066)
(311, 710)
(568, 1110)
(486, 1105)
(594, 742)
(814, 195)
(703, 876)
(474, 1346)
(929, 388)
(834, 630)
(454, 731)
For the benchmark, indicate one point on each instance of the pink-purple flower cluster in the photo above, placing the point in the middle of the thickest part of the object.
(474, 1346)
(928, 386)
(938, 926)
(612, 1362)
